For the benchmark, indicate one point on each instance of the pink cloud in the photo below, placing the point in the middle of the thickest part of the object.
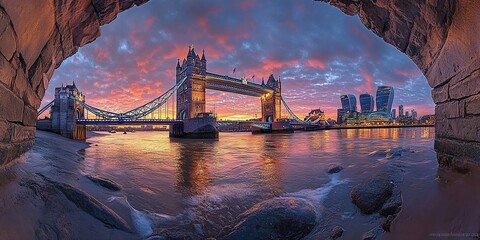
(368, 85)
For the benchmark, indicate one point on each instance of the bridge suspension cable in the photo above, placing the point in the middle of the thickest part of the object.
(49, 105)
(294, 116)
(154, 104)
(138, 112)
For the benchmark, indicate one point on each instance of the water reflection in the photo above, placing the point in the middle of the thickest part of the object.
(192, 168)
(162, 174)
(271, 163)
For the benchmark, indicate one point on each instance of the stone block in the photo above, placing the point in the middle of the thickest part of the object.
(440, 94)
(7, 73)
(7, 40)
(468, 87)
(458, 56)
(11, 107)
(450, 151)
(33, 23)
(447, 110)
(52, 53)
(21, 133)
(106, 10)
(29, 116)
(472, 105)
(41, 88)
(4, 131)
(20, 84)
(465, 129)
(10, 151)
(35, 74)
(84, 23)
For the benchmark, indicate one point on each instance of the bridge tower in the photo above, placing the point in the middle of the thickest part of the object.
(272, 103)
(191, 95)
(66, 111)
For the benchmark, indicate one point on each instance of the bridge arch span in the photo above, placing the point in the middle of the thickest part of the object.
(438, 35)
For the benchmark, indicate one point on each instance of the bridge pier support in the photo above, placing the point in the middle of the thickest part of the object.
(65, 113)
(195, 128)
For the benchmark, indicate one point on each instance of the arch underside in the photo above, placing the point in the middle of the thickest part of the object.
(440, 36)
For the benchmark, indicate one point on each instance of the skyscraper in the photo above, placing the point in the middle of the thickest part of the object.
(414, 114)
(340, 113)
(394, 114)
(384, 99)
(366, 103)
(400, 111)
(349, 102)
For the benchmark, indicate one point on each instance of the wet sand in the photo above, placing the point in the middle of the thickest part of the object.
(448, 207)
(442, 204)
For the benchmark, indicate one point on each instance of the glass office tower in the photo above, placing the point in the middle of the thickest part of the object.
(384, 99)
(366, 103)
(349, 103)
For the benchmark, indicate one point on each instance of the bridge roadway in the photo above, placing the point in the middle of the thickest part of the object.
(229, 84)
(91, 122)
(128, 121)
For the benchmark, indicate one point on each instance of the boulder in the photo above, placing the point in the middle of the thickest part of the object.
(93, 207)
(104, 182)
(387, 223)
(370, 196)
(374, 233)
(336, 232)
(334, 169)
(393, 205)
(278, 218)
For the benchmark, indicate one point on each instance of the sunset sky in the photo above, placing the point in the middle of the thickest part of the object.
(319, 52)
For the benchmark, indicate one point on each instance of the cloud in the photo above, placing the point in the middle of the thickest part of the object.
(319, 52)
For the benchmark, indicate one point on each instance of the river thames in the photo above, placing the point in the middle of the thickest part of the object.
(200, 187)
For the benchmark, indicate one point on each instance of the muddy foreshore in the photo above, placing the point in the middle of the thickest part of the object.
(46, 195)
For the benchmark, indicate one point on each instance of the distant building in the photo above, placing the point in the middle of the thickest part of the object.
(400, 111)
(378, 118)
(316, 115)
(414, 114)
(384, 99)
(394, 114)
(340, 113)
(428, 119)
(349, 102)
(407, 114)
(366, 103)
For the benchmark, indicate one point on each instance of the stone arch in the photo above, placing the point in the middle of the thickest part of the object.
(440, 36)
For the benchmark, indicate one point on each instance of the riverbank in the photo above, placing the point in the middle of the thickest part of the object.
(57, 191)
(380, 126)
(45, 196)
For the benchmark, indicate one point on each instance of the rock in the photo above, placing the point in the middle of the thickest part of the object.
(372, 194)
(393, 205)
(278, 218)
(374, 233)
(334, 169)
(462, 168)
(93, 207)
(387, 222)
(104, 182)
(336, 232)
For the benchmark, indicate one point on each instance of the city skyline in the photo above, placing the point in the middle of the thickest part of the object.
(134, 62)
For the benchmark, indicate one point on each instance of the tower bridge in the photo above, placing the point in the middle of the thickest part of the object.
(191, 119)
